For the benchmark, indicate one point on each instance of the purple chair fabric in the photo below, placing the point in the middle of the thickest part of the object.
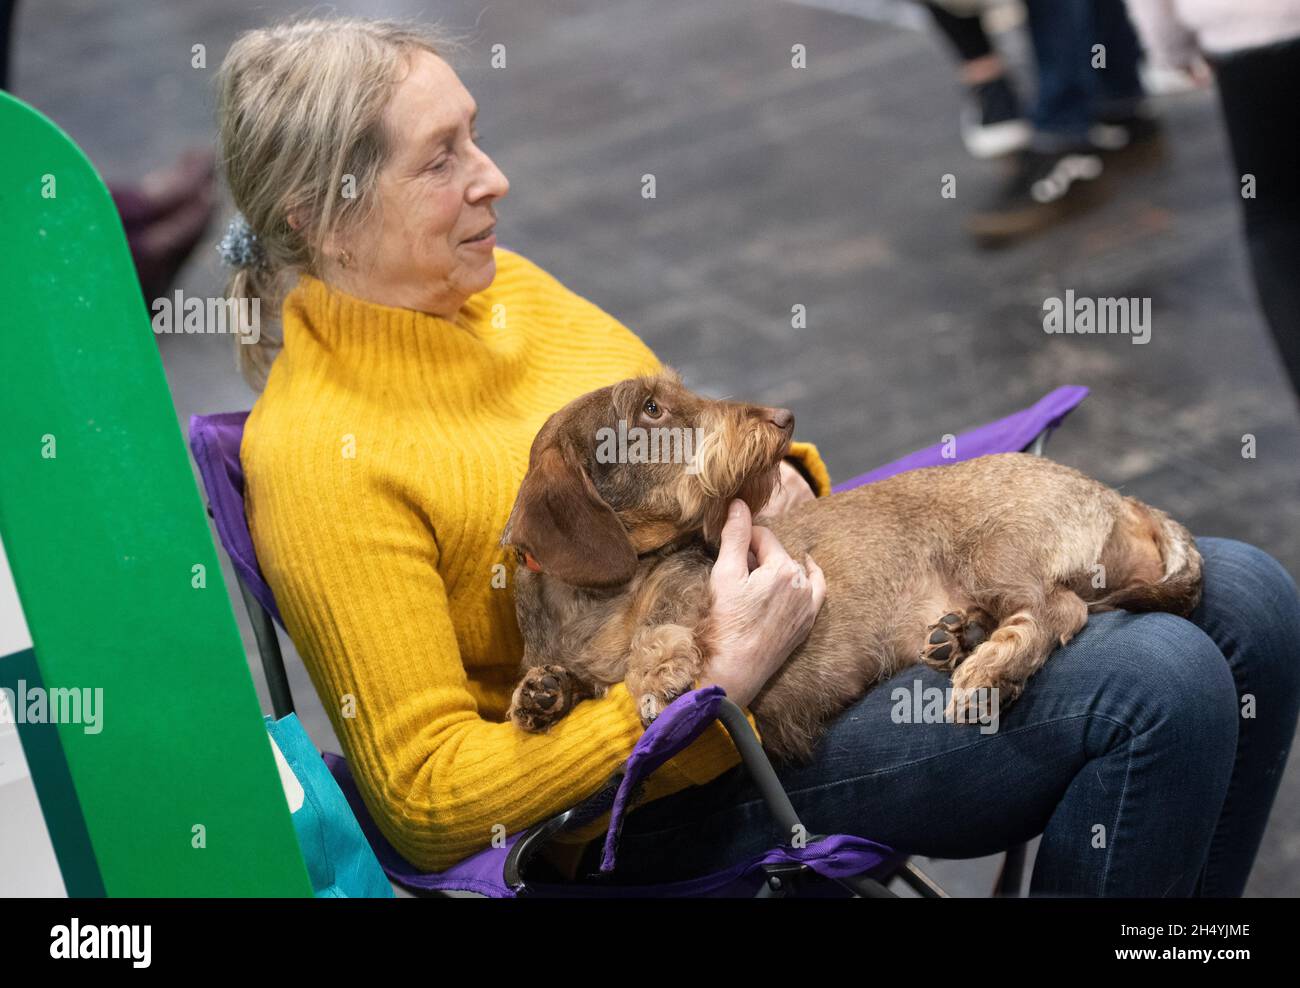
(483, 873)
(215, 442)
(1007, 435)
(681, 722)
(837, 856)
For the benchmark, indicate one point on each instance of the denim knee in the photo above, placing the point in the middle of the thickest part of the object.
(1248, 578)
(1167, 675)
(1252, 608)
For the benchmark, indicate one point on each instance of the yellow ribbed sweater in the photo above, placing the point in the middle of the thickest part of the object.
(382, 462)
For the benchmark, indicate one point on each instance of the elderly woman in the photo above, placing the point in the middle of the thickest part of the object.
(417, 360)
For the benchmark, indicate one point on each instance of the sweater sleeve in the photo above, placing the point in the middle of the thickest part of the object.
(355, 570)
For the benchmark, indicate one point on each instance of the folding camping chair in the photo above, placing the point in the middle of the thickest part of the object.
(824, 865)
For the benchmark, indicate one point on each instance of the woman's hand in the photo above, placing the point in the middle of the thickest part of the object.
(791, 489)
(759, 617)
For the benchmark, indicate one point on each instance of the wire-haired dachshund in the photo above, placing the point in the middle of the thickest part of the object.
(980, 568)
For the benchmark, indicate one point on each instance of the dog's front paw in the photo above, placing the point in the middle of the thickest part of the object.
(665, 664)
(660, 688)
(542, 697)
(650, 707)
(953, 637)
(667, 689)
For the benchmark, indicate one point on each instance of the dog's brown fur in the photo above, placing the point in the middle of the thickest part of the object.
(979, 568)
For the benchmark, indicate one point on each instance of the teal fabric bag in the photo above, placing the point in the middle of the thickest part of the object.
(339, 860)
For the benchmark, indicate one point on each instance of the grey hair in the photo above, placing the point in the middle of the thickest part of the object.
(300, 108)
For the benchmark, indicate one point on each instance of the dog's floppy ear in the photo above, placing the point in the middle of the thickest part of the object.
(565, 525)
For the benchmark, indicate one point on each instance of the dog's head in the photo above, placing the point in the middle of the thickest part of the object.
(631, 467)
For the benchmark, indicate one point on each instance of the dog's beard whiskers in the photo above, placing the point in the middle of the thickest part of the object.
(702, 494)
(733, 459)
(718, 473)
(708, 456)
(719, 457)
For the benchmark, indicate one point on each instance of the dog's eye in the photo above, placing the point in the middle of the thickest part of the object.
(651, 409)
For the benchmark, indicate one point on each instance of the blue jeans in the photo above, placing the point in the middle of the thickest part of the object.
(1071, 93)
(1147, 752)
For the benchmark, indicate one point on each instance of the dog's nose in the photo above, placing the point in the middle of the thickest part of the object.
(782, 418)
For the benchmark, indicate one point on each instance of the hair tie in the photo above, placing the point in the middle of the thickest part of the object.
(240, 247)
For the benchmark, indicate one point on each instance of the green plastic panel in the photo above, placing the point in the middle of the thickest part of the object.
(104, 526)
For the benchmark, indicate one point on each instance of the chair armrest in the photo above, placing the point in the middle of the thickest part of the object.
(759, 767)
(1035, 446)
(753, 757)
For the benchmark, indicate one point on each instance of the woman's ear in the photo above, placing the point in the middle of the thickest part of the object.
(561, 520)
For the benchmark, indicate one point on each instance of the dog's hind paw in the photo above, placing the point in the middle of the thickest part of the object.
(953, 637)
(977, 697)
(969, 706)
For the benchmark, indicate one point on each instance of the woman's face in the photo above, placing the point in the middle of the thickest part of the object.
(436, 192)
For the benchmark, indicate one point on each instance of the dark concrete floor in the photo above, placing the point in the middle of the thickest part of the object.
(779, 186)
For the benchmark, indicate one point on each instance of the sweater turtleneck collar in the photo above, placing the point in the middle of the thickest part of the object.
(403, 357)
(343, 322)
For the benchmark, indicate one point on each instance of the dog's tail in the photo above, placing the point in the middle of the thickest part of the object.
(1178, 591)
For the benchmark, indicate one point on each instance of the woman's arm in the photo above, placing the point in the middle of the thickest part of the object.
(355, 572)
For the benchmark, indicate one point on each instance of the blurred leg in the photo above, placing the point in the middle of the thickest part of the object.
(992, 124)
(1062, 33)
(965, 34)
(6, 39)
(1118, 88)
(1260, 89)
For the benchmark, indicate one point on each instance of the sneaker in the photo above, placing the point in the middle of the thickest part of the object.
(991, 123)
(1042, 189)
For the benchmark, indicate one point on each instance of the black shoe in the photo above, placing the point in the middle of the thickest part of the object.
(1127, 143)
(1043, 188)
(991, 122)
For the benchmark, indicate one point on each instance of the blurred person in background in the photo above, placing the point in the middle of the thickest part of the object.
(992, 123)
(1089, 110)
(164, 214)
(1253, 47)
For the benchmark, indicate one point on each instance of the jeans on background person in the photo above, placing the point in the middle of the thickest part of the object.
(1072, 94)
(1129, 752)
